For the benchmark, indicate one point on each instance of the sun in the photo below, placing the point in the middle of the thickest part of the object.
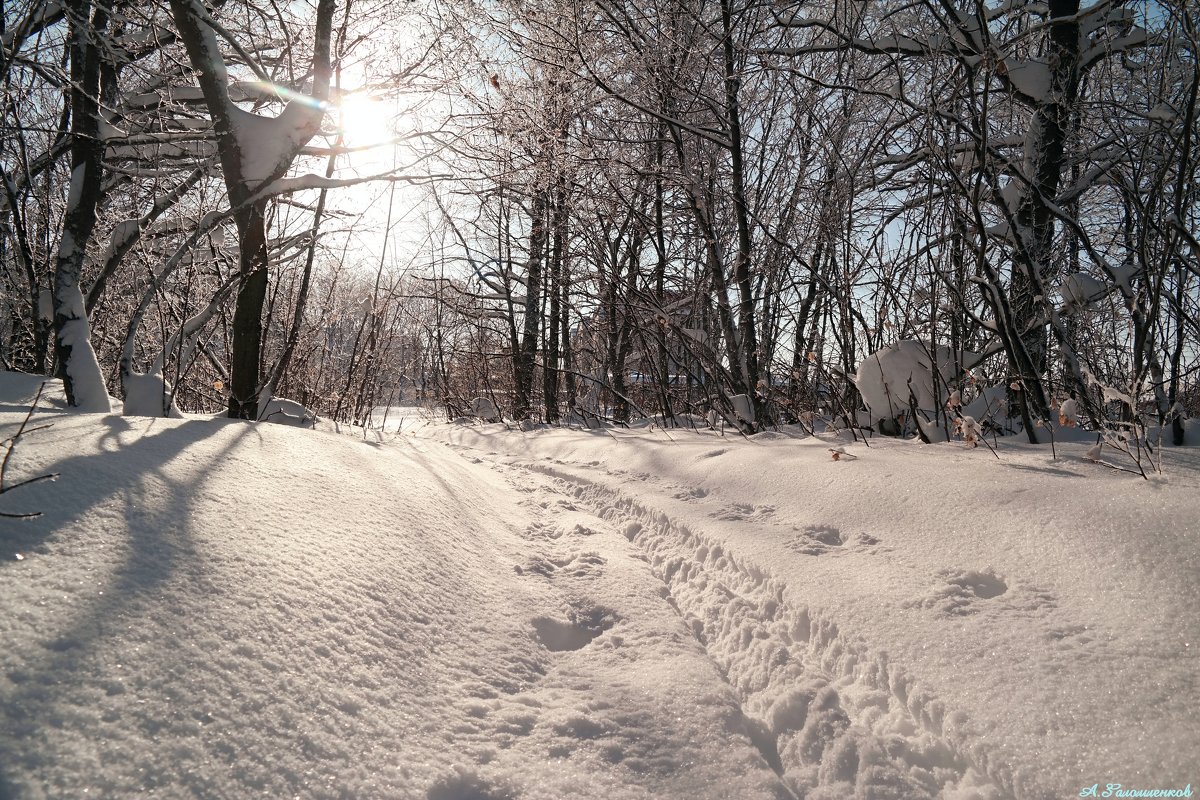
(364, 120)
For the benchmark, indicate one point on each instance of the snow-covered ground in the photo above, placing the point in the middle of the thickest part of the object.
(210, 608)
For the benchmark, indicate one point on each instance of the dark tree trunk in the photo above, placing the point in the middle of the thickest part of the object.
(246, 358)
(531, 327)
(249, 214)
(747, 364)
(1046, 157)
(565, 326)
(35, 360)
(660, 280)
(553, 292)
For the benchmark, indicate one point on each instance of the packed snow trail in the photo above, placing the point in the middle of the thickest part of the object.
(825, 721)
(966, 625)
(216, 609)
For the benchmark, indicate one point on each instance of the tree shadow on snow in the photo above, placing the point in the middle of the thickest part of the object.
(1058, 472)
(157, 508)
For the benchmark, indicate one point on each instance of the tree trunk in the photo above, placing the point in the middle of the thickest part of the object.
(246, 357)
(747, 366)
(77, 365)
(204, 53)
(1045, 157)
(553, 292)
(523, 405)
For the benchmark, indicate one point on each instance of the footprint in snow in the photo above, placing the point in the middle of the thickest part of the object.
(578, 632)
(584, 565)
(741, 512)
(578, 565)
(694, 493)
(537, 565)
(541, 530)
(815, 540)
(959, 592)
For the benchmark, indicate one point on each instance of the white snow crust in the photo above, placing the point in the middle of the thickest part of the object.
(892, 376)
(145, 396)
(269, 143)
(214, 608)
(91, 396)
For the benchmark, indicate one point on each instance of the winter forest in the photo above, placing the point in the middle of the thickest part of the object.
(697, 399)
(628, 211)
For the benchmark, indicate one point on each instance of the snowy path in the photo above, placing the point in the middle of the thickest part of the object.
(217, 610)
(826, 736)
(1027, 631)
(210, 609)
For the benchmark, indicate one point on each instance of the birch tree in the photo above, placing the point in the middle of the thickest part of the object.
(254, 150)
(77, 364)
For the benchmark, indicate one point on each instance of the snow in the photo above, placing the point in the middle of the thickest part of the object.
(214, 608)
(145, 396)
(123, 232)
(1124, 276)
(78, 176)
(268, 144)
(889, 377)
(743, 407)
(1163, 113)
(1030, 78)
(485, 409)
(1079, 290)
(46, 305)
(282, 411)
(82, 367)
(1010, 195)
(1068, 413)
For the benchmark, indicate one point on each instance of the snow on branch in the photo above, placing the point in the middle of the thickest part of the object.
(312, 182)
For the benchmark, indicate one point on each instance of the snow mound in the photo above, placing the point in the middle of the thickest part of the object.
(287, 412)
(145, 396)
(901, 374)
(485, 409)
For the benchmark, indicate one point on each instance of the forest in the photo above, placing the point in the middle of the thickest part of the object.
(701, 399)
(667, 210)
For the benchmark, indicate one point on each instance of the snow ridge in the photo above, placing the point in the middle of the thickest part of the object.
(831, 718)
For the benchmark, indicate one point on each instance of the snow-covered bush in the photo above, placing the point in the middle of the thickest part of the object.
(485, 409)
(969, 430)
(1068, 413)
(287, 412)
(900, 376)
(146, 394)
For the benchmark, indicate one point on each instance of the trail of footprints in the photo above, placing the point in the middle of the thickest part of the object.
(829, 719)
(556, 518)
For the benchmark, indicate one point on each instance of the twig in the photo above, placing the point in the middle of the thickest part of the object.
(17, 436)
(983, 439)
(12, 443)
(12, 439)
(1120, 469)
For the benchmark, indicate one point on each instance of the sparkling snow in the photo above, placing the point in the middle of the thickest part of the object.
(211, 608)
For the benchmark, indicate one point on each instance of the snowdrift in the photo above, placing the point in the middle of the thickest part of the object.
(215, 608)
